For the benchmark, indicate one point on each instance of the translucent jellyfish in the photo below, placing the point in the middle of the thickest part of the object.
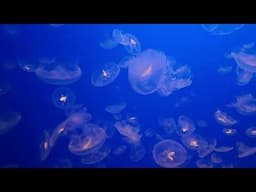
(243, 77)
(105, 75)
(244, 150)
(216, 158)
(205, 150)
(96, 156)
(90, 139)
(63, 98)
(251, 132)
(45, 146)
(225, 69)
(130, 132)
(109, 44)
(223, 149)
(204, 163)
(146, 70)
(169, 154)
(245, 104)
(221, 29)
(58, 73)
(229, 131)
(185, 126)
(150, 132)
(132, 120)
(5, 86)
(137, 152)
(8, 120)
(124, 62)
(168, 124)
(224, 119)
(120, 37)
(194, 141)
(133, 45)
(116, 108)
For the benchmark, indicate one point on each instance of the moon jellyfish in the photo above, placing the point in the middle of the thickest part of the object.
(168, 124)
(204, 163)
(145, 71)
(105, 75)
(205, 150)
(243, 77)
(96, 156)
(244, 150)
(115, 109)
(137, 152)
(193, 141)
(169, 154)
(133, 46)
(124, 62)
(91, 139)
(63, 97)
(4, 87)
(216, 158)
(109, 44)
(221, 29)
(229, 131)
(8, 120)
(45, 146)
(224, 119)
(245, 104)
(223, 149)
(120, 37)
(130, 132)
(185, 126)
(251, 132)
(58, 73)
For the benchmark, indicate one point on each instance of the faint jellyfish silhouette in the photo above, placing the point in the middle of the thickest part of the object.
(245, 104)
(221, 29)
(124, 62)
(168, 124)
(223, 149)
(205, 150)
(145, 71)
(133, 47)
(5, 86)
(193, 141)
(137, 152)
(204, 163)
(63, 97)
(169, 154)
(109, 44)
(45, 146)
(243, 77)
(244, 150)
(185, 126)
(216, 158)
(8, 120)
(251, 132)
(119, 150)
(120, 37)
(225, 69)
(224, 119)
(229, 131)
(28, 65)
(90, 139)
(116, 108)
(58, 73)
(105, 75)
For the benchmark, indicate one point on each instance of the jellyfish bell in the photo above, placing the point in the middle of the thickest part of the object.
(63, 98)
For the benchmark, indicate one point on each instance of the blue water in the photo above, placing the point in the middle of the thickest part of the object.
(30, 96)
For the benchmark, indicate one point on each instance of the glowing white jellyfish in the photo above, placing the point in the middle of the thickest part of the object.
(63, 97)
(185, 126)
(58, 73)
(194, 141)
(169, 154)
(105, 74)
(224, 119)
(221, 29)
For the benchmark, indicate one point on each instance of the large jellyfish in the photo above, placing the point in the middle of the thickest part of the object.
(244, 150)
(63, 97)
(146, 70)
(105, 75)
(221, 29)
(58, 73)
(169, 154)
(194, 141)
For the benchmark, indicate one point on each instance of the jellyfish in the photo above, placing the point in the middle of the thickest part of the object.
(105, 75)
(45, 146)
(133, 45)
(229, 131)
(185, 126)
(58, 73)
(120, 37)
(216, 158)
(244, 150)
(109, 44)
(137, 152)
(194, 141)
(169, 154)
(168, 124)
(223, 149)
(91, 138)
(116, 108)
(63, 97)
(124, 62)
(224, 119)
(8, 120)
(205, 150)
(221, 29)
(146, 70)
(251, 132)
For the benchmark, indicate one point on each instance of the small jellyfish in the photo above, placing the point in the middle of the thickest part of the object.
(58, 73)
(251, 132)
(133, 45)
(105, 75)
(216, 158)
(45, 146)
(63, 97)
(8, 120)
(116, 108)
(119, 150)
(224, 119)
(223, 149)
(194, 141)
(168, 124)
(185, 126)
(120, 37)
(137, 152)
(205, 150)
(124, 62)
(169, 154)
(204, 163)
(243, 77)
(221, 29)
(244, 150)
(229, 131)
(146, 70)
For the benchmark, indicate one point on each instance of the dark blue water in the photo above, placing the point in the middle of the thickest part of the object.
(189, 44)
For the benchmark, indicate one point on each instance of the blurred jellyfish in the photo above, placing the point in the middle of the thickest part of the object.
(146, 70)
(116, 108)
(251, 132)
(244, 150)
(119, 150)
(168, 124)
(224, 119)
(105, 75)
(185, 126)
(204, 163)
(109, 44)
(169, 154)
(245, 104)
(5, 86)
(216, 158)
(58, 73)
(223, 149)
(45, 146)
(96, 156)
(205, 150)
(63, 97)
(137, 152)
(225, 69)
(130, 132)
(90, 139)
(221, 29)
(120, 37)
(27, 65)
(194, 141)
(229, 131)
(124, 62)
(8, 120)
